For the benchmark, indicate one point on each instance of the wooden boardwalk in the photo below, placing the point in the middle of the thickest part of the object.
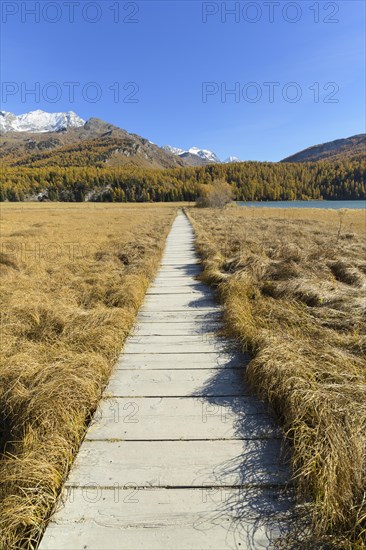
(180, 455)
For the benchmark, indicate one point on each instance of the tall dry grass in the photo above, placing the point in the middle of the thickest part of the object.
(73, 278)
(293, 286)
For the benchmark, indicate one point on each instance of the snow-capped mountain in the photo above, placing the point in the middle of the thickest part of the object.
(204, 154)
(174, 150)
(39, 122)
(229, 160)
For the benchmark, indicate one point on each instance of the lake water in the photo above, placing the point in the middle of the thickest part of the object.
(336, 205)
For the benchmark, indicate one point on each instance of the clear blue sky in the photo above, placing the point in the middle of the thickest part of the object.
(170, 51)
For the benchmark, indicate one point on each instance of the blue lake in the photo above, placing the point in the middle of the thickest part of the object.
(336, 205)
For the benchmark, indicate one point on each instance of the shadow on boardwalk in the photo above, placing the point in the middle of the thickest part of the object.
(258, 508)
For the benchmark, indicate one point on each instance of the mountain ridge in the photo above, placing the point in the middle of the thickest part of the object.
(39, 138)
(331, 150)
(42, 122)
(95, 142)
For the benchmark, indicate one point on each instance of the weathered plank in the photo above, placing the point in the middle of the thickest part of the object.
(162, 418)
(186, 339)
(179, 464)
(145, 328)
(176, 361)
(185, 315)
(211, 518)
(180, 302)
(174, 290)
(175, 344)
(175, 382)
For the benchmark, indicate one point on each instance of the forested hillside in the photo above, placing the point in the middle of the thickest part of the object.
(97, 144)
(343, 179)
(98, 161)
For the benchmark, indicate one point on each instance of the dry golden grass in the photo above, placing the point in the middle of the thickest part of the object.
(73, 278)
(293, 286)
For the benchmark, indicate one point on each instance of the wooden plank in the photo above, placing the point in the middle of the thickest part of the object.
(182, 316)
(192, 275)
(168, 287)
(167, 348)
(176, 282)
(190, 271)
(145, 328)
(187, 339)
(176, 382)
(200, 300)
(166, 361)
(175, 344)
(203, 306)
(185, 242)
(188, 262)
(193, 289)
(165, 519)
(181, 256)
(176, 418)
(185, 268)
(179, 464)
(181, 252)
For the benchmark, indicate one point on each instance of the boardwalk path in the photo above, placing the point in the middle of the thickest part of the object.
(179, 456)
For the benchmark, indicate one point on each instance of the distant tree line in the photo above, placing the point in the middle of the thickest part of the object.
(253, 181)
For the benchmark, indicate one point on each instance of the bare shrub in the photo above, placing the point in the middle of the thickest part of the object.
(215, 195)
